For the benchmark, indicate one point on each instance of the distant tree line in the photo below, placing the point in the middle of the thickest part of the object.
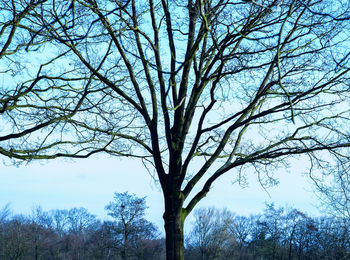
(77, 234)
(277, 233)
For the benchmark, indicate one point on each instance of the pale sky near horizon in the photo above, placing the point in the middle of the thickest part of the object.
(90, 183)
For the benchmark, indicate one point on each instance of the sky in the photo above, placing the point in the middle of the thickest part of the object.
(91, 183)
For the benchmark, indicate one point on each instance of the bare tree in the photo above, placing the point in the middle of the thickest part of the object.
(210, 237)
(5, 212)
(195, 89)
(333, 188)
(131, 227)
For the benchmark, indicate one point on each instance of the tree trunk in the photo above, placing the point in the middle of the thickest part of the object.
(174, 233)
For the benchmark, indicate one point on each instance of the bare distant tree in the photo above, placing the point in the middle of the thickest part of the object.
(333, 188)
(195, 89)
(210, 237)
(131, 228)
(5, 213)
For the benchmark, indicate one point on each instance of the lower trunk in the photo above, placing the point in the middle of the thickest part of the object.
(174, 235)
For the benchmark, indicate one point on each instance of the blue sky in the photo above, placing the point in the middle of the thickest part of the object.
(90, 183)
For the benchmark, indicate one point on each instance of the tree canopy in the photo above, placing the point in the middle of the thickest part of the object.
(195, 89)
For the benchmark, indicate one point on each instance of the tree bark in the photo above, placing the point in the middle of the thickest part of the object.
(174, 234)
